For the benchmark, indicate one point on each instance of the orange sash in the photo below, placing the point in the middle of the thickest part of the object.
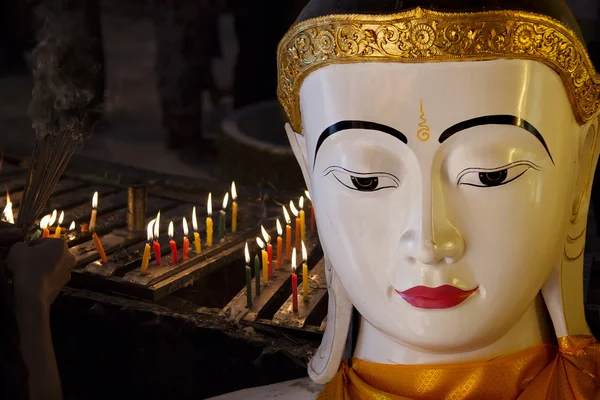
(569, 372)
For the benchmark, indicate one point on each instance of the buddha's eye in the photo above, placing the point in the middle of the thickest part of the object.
(484, 177)
(363, 182)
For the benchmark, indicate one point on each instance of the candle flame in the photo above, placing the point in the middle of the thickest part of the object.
(194, 220)
(294, 260)
(260, 243)
(304, 253)
(61, 218)
(170, 230)
(157, 226)
(8, 212)
(185, 227)
(307, 194)
(95, 200)
(72, 226)
(149, 230)
(209, 205)
(45, 221)
(247, 254)
(286, 215)
(52, 218)
(293, 208)
(265, 235)
(233, 192)
(301, 202)
(279, 229)
(225, 200)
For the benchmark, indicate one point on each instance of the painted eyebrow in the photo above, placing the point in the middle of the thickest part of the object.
(354, 124)
(496, 120)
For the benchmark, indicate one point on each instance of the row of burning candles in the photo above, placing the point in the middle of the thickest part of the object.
(46, 222)
(266, 250)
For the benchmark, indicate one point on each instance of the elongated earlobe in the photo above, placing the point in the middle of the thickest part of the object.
(298, 143)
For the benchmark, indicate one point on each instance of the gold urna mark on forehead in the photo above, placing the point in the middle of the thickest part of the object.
(423, 132)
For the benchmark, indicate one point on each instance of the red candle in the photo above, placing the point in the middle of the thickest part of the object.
(156, 246)
(186, 241)
(174, 258)
(294, 283)
(270, 254)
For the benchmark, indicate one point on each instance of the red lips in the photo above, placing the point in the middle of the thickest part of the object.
(445, 296)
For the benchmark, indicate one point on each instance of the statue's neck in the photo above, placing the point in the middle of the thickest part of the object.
(532, 329)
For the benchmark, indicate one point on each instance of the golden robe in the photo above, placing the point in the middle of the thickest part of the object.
(569, 371)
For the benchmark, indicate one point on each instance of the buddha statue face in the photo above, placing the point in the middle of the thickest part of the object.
(443, 191)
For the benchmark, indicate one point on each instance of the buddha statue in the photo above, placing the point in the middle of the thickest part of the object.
(449, 147)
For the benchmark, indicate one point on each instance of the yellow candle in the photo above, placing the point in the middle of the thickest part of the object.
(99, 248)
(302, 220)
(145, 259)
(196, 234)
(60, 221)
(279, 245)
(297, 215)
(234, 208)
(197, 243)
(265, 260)
(304, 273)
(209, 222)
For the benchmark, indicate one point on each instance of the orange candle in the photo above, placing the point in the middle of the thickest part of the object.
(99, 248)
(234, 208)
(186, 241)
(279, 245)
(44, 226)
(297, 215)
(174, 258)
(94, 212)
(288, 234)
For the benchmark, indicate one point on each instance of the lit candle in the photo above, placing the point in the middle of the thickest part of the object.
(313, 224)
(294, 282)
(72, 226)
(60, 221)
(302, 219)
(156, 235)
(304, 273)
(209, 221)
(265, 260)
(146, 257)
(288, 234)
(99, 248)
(269, 250)
(174, 258)
(257, 274)
(53, 218)
(92, 225)
(279, 244)
(248, 278)
(186, 241)
(197, 242)
(234, 208)
(8, 212)
(298, 228)
(222, 216)
(44, 226)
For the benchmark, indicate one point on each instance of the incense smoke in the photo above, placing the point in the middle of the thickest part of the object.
(64, 70)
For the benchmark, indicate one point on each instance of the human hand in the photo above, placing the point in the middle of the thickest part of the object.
(40, 270)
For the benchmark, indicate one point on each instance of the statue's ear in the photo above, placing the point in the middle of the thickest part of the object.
(298, 143)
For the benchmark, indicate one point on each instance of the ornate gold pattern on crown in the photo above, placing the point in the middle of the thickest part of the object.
(429, 36)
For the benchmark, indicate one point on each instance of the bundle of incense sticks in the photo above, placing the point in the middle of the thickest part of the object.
(60, 100)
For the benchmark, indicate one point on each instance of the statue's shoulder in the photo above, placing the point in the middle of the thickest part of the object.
(299, 389)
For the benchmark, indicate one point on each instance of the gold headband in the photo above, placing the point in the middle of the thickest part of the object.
(422, 35)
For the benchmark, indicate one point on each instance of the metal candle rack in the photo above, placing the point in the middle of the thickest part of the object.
(118, 226)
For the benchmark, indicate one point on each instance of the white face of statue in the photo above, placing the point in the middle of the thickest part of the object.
(442, 191)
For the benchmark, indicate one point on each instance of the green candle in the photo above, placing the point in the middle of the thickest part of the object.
(248, 278)
(257, 274)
